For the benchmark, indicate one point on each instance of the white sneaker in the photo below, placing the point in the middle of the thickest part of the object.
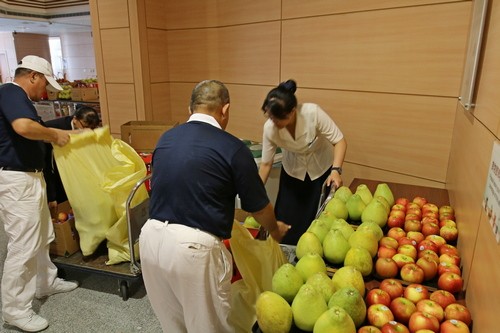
(30, 323)
(59, 286)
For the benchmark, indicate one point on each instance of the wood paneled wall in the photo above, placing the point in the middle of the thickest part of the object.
(31, 44)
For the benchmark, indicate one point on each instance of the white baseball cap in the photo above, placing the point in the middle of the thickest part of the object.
(41, 66)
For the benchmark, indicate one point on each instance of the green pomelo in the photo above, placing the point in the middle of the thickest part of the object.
(384, 190)
(319, 228)
(308, 243)
(359, 258)
(375, 212)
(286, 282)
(338, 223)
(349, 276)
(366, 239)
(364, 192)
(384, 202)
(349, 299)
(374, 227)
(343, 193)
(327, 217)
(334, 320)
(337, 207)
(309, 264)
(335, 246)
(322, 282)
(307, 306)
(274, 314)
(355, 206)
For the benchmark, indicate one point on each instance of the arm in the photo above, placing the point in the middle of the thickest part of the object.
(32, 130)
(267, 219)
(339, 150)
(265, 170)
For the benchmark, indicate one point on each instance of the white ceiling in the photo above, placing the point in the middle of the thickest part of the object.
(53, 28)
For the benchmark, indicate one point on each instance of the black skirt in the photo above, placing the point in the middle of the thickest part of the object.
(297, 203)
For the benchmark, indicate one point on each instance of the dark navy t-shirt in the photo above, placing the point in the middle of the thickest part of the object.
(17, 151)
(197, 171)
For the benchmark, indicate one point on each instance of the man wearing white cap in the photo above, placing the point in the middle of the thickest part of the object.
(24, 212)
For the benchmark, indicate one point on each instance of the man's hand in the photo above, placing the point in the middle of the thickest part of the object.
(280, 232)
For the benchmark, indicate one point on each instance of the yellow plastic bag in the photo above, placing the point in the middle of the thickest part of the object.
(257, 260)
(98, 173)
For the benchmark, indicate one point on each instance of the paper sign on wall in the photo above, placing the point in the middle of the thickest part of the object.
(491, 200)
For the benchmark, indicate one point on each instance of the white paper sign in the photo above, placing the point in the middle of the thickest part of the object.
(491, 200)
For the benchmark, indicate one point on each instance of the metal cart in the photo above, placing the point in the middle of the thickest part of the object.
(126, 273)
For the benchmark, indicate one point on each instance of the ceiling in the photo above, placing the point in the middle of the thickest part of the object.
(52, 28)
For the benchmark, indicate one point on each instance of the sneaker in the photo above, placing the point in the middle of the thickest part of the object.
(30, 323)
(59, 286)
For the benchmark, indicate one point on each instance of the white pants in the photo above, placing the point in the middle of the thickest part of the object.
(187, 274)
(24, 212)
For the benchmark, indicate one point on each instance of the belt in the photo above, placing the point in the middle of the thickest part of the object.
(21, 169)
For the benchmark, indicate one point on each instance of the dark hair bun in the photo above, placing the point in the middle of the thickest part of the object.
(289, 85)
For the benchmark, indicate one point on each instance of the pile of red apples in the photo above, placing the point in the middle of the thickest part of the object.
(394, 308)
(419, 245)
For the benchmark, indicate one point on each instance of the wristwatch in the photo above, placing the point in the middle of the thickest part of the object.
(338, 169)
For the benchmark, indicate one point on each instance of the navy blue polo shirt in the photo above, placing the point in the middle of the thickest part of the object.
(197, 171)
(17, 151)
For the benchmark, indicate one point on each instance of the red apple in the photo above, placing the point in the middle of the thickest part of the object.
(396, 233)
(429, 253)
(427, 244)
(402, 309)
(416, 292)
(430, 207)
(398, 212)
(386, 252)
(459, 312)
(398, 206)
(389, 242)
(412, 273)
(451, 282)
(449, 249)
(449, 258)
(447, 267)
(429, 219)
(396, 221)
(377, 296)
(429, 266)
(438, 240)
(62, 216)
(454, 326)
(430, 229)
(449, 233)
(402, 260)
(394, 327)
(412, 205)
(421, 320)
(432, 308)
(406, 240)
(402, 201)
(417, 236)
(393, 287)
(369, 329)
(421, 201)
(442, 297)
(431, 215)
(386, 268)
(446, 216)
(442, 223)
(409, 250)
(412, 224)
(378, 315)
(415, 213)
(446, 209)
(424, 331)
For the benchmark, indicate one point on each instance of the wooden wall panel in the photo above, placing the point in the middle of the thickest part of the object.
(483, 288)
(117, 55)
(121, 105)
(112, 13)
(160, 98)
(467, 173)
(405, 134)
(156, 14)
(418, 50)
(31, 44)
(241, 54)
(157, 45)
(488, 98)
(216, 13)
(180, 94)
(300, 8)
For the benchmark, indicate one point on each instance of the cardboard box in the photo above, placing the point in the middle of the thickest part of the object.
(76, 94)
(143, 135)
(89, 94)
(52, 95)
(66, 240)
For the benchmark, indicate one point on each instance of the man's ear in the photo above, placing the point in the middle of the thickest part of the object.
(225, 110)
(189, 110)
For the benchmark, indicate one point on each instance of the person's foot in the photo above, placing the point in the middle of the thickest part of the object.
(59, 286)
(29, 323)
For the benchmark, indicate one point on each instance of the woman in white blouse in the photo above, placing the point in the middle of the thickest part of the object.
(313, 152)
